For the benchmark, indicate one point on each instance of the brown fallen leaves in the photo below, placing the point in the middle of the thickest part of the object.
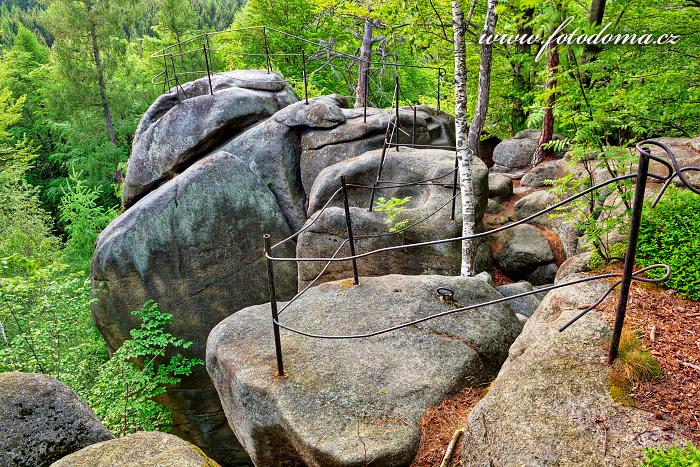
(439, 424)
(674, 323)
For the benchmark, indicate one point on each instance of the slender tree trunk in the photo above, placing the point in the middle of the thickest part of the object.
(363, 64)
(548, 123)
(102, 86)
(521, 75)
(482, 99)
(595, 17)
(461, 130)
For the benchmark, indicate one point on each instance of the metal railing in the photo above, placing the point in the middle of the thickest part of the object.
(626, 277)
(192, 58)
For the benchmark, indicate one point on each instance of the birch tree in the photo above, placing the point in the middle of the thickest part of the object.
(482, 99)
(461, 133)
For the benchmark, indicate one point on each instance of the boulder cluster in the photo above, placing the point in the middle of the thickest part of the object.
(209, 175)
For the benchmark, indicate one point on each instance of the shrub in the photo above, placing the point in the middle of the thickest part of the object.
(392, 209)
(670, 234)
(674, 456)
(125, 388)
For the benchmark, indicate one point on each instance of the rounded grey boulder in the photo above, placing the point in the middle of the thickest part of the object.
(43, 420)
(350, 402)
(152, 449)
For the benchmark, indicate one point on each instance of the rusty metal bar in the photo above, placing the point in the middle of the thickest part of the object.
(273, 305)
(351, 240)
(206, 59)
(306, 84)
(397, 124)
(454, 187)
(379, 169)
(637, 206)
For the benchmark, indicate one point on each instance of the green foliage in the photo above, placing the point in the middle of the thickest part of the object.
(392, 209)
(83, 218)
(670, 234)
(123, 393)
(673, 456)
(602, 215)
(46, 322)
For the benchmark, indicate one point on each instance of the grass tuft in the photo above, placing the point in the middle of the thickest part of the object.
(635, 364)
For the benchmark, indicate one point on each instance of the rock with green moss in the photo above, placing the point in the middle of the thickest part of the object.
(194, 246)
(43, 420)
(551, 404)
(355, 402)
(152, 449)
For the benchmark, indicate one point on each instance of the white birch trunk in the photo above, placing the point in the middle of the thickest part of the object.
(482, 99)
(461, 133)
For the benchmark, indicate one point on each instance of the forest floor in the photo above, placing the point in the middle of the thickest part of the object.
(669, 327)
(439, 424)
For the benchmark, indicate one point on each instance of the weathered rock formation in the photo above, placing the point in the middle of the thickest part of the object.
(325, 147)
(327, 230)
(178, 128)
(358, 401)
(513, 154)
(152, 449)
(543, 406)
(194, 245)
(43, 420)
(523, 250)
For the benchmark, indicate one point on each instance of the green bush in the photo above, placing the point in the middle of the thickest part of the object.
(670, 234)
(674, 456)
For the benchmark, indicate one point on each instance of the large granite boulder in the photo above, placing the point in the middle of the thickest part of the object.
(522, 250)
(43, 420)
(325, 147)
(514, 154)
(548, 170)
(548, 405)
(272, 149)
(355, 402)
(194, 245)
(500, 187)
(326, 231)
(152, 449)
(182, 126)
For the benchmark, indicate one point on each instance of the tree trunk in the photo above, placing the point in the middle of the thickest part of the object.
(521, 75)
(482, 99)
(548, 123)
(461, 128)
(363, 64)
(595, 17)
(102, 86)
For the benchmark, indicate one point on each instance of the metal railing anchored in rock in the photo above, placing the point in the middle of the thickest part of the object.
(192, 58)
(625, 278)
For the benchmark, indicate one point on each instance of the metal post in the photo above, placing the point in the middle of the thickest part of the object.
(166, 80)
(273, 305)
(351, 240)
(267, 51)
(438, 89)
(206, 59)
(413, 132)
(398, 126)
(366, 91)
(454, 186)
(306, 89)
(381, 166)
(638, 204)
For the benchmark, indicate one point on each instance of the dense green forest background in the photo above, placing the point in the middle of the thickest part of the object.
(75, 77)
